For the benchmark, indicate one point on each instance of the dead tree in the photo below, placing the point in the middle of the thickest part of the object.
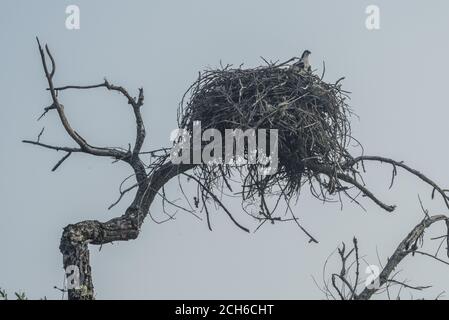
(312, 117)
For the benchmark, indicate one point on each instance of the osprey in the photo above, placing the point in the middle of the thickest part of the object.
(303, 64)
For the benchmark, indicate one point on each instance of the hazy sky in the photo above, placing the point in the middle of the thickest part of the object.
(398, 76)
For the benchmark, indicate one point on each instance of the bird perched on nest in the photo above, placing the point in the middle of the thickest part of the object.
(303, 64)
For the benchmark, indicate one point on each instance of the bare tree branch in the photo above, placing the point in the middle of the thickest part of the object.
(404, 166)
(61, 161)
(407, 246)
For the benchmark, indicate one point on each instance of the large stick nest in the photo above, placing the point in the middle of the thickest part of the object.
(311, 115)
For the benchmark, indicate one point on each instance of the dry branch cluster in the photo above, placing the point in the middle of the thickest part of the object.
(348, 283)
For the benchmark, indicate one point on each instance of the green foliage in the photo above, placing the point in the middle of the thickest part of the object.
(3, 295)
(19, 295)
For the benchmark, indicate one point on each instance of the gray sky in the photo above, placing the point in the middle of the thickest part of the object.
(398, 78)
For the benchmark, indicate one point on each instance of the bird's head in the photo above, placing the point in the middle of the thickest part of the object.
(306, 53)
